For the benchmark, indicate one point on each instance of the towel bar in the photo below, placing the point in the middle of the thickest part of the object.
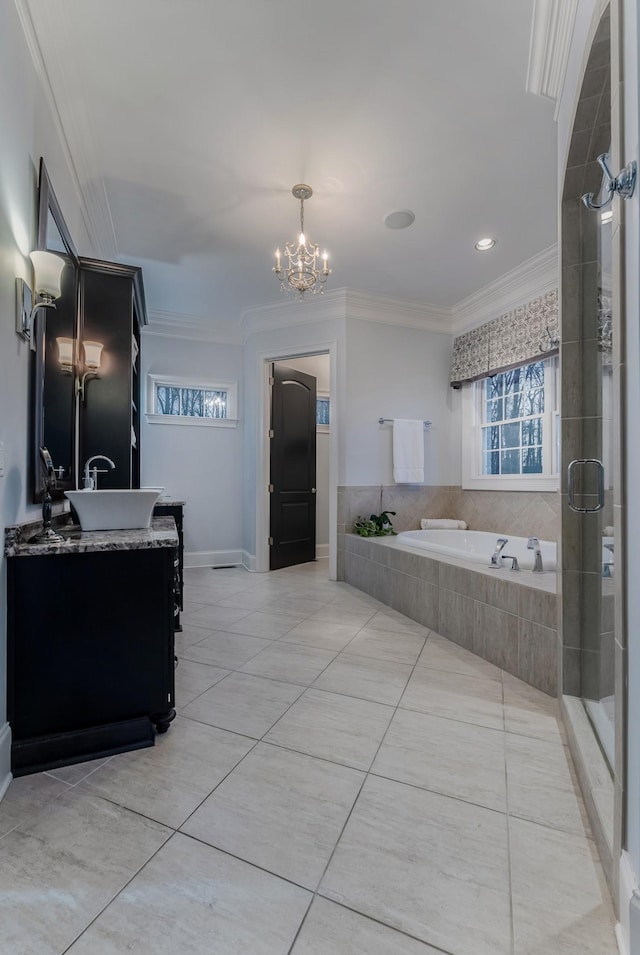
(427, 424)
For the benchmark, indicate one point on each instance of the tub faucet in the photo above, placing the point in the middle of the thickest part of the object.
(534, 544)
(91, 475)
(496, 557)
(607, 567)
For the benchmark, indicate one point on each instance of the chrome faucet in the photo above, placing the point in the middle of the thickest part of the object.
(91, 474)
(496, 557)
(534, 544)
(608, 565)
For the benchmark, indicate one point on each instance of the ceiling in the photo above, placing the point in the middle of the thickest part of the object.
(189, 122)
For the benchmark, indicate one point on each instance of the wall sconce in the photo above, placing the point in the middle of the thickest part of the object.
(65, 355)
(92, 359)
(47, 271)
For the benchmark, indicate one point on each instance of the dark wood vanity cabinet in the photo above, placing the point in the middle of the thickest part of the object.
(90, 654)
(174, 509)
(111, 311)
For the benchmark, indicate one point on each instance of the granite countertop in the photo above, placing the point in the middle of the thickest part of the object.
(170, 502)
(18, 539)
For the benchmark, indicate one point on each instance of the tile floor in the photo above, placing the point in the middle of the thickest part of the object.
(339, 780)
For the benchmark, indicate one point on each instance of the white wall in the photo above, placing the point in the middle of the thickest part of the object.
(197, 464)
(27, 133)
(398, 372)
(319, 367)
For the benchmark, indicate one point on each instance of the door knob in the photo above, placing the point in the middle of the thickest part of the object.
(313, 490)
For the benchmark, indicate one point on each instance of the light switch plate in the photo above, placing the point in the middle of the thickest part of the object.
(23, 310)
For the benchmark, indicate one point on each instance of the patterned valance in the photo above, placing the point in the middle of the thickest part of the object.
(519, 336)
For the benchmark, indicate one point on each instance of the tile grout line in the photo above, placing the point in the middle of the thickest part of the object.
(349, 814)
(121, 889)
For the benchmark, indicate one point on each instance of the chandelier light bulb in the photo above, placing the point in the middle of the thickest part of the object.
(301, 239)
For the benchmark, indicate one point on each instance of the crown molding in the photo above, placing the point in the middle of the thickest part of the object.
(186, 327)
(328, 306)
(348, 304)
(81, 153)
(526, 282)
(551, 31)
(533, 278)
(391, 311)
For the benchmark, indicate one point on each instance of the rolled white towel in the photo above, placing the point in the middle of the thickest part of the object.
(441, 523)
(608, 531)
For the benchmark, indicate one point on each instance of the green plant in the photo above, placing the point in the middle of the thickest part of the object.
(377, 525)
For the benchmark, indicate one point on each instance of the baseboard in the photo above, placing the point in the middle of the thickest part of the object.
(213, 558)
(249, 561)
(322, 550)
(628, 928)
(5, 759)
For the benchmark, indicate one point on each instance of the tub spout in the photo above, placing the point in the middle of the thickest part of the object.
(534, 544)
(496, 557)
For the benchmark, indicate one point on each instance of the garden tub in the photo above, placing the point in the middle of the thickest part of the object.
(478, 546)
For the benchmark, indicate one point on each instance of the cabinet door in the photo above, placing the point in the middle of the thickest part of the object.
(96, 645)
(106, 310)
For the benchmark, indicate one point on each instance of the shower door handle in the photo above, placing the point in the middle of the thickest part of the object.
(571, 477)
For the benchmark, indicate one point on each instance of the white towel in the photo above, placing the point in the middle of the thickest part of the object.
(408, 451)
(439, 523)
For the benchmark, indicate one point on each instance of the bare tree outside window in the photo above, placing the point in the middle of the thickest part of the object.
(512, 421)
(191, 402)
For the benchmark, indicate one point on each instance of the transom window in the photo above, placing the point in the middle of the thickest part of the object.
(185, 401)
(191, 402)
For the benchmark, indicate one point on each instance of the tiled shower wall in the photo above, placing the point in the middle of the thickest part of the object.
(586, 645)
(516, 513)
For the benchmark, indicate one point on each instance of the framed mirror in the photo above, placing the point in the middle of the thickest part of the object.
(54, 344)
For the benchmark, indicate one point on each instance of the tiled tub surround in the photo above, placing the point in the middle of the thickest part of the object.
(515, 513)
(505, 618)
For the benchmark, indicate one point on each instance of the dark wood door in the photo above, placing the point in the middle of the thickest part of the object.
(293, 467)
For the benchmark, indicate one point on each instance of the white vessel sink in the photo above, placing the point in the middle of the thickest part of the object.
(114, 510)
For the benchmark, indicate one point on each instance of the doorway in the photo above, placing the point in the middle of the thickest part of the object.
(292, 467)
(320, 361)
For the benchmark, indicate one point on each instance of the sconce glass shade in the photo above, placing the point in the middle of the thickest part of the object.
(47, 269)
(92, 355)
(65, 354)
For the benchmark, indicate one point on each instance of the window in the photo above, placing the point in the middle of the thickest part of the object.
(194, 402)
(511, 429)
(184, 401)
(322, 413)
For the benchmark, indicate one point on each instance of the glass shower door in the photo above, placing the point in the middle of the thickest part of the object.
(598, 538)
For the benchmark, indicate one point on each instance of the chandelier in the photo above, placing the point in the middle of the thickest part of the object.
(300, 273)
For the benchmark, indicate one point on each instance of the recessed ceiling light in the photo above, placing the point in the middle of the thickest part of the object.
(400, 219)
(483, 245)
